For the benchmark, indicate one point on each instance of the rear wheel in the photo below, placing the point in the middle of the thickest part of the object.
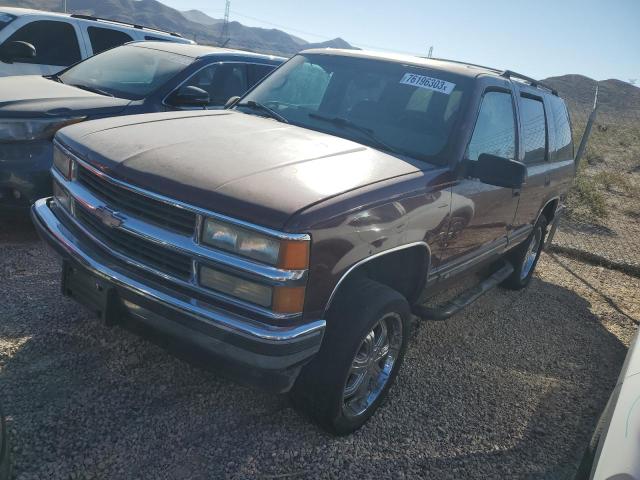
(363, 348)
(525, 257)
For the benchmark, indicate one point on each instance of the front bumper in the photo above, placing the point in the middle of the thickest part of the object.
(24, 173)
(250, 351)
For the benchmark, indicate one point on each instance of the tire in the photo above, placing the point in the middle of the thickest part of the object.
(524, 258)
(344, 384)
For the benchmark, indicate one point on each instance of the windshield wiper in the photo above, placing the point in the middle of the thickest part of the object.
(54, 77)
(92, 89)
(344, 123)
(263, 108)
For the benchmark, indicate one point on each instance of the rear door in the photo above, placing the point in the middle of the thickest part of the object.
(101, 38)
(481, 214)
(534, 153)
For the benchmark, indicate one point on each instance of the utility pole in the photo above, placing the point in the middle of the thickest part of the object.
(224, 34)
(64, 6)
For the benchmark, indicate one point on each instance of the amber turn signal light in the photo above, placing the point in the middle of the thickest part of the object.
(294, 255)
(288, 299)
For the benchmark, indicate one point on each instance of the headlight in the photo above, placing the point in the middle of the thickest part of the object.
(236, 287)
(63, 162)
(287, 254)
(25, 129)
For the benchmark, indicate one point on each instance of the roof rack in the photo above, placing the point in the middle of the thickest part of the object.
(464, 63)
(139, 27)
(529, 80)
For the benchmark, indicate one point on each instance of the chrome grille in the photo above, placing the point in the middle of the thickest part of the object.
(142, 251)
(159, 213)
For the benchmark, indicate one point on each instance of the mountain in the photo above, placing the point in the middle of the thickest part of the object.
(200, 17)
(192, 24)
(615, 97)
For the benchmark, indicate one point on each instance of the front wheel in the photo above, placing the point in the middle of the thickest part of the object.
(364, 345)
(525, 257)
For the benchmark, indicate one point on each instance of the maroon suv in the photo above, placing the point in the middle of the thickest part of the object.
(292, 234)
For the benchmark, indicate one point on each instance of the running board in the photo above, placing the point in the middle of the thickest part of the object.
(465, 298)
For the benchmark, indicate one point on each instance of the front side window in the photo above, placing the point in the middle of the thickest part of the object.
(258, 72)
(495, 130)
(405, 109)
(128, 71)
(106, 38)
(221, 81)
(563, 149)
(56, 43)
(534, 130)
(5, 19)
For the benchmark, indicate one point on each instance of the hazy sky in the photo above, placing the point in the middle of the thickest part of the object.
(598, 38)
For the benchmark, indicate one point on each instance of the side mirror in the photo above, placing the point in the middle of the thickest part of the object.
(12, 51)
(189, 96)
(231, 102)
(499, 171)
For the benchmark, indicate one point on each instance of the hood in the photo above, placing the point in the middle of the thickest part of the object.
(240, 165)
(36, 96)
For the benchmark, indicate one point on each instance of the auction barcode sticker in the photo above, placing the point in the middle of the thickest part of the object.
(429, 83)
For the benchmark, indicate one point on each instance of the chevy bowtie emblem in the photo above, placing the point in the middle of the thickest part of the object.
(108, 217)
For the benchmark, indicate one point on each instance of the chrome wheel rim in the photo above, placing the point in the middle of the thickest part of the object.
(372, 365)
(531, 255)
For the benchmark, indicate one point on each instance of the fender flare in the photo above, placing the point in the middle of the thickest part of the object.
(365, 260)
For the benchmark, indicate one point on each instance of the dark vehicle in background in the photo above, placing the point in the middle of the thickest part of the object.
(5, 461)
(292, 235)
(35, 42)
(131, 79)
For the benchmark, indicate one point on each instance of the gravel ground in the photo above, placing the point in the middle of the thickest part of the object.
(509, 388)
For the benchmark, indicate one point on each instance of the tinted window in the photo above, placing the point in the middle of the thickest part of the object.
(222, 81)
(56, 42)
(105, 38)
(534, 130)
(5, 19)
(563, 148)
(128, 71)
(495, 130)
(258, 72)
(390, 106)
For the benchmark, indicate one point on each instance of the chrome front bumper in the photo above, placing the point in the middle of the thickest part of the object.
(258, 349)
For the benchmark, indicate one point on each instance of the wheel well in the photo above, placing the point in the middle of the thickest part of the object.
(549, 210)
(403, 270)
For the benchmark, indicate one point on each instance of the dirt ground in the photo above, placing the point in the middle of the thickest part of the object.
(509, 388)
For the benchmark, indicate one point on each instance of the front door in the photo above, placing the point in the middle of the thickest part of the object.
(56, 44)
(481, 213)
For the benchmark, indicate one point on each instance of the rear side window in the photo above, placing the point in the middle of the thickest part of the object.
(534, 130)
(257, 73)
(495, 130)
(563, 148)
(105, 38)
(56, 42)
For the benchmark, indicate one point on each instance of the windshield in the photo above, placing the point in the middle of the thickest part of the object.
(128, 71)
(391, 106)
(5, 19)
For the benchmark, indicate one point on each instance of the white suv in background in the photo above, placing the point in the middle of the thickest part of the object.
(61, 40)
